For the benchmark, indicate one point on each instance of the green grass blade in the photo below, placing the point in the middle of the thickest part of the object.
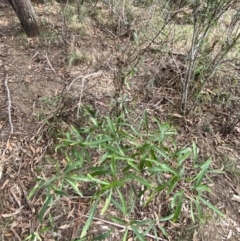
(74, 186)
(195, 152)
(202, 173)
(173, 183)
(182, 155)
(117, 205)
(107, 202)
(163, 168)
(125, 236)
(95, 143)
(146, 121)
(111, 127)
(178, 209)
(89, 220)
(78, 178)
(44, 207)
(71, 166)
(103, 236)
(164, 219)
(97, 180)
(118, 220)
(137, 233)
(123, 202)
(211, 206)
(141, 180)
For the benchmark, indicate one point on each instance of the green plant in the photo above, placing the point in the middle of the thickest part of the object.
(202, 61)
(34, 236)
(133, 166)
(75, 58)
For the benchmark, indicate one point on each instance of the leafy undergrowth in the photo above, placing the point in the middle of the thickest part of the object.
(125, 172)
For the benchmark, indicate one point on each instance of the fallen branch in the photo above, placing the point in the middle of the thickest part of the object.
(9, 119)
(9, 104)
(49, 63)
(123, 227)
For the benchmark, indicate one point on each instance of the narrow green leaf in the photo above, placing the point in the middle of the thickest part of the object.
(117, 205)
(211, 206)
(71, 166)
(199, 209)
(111, 127)
(78, 178)
(95, 122)
(202, 173)
(201, 188)
(161, 152)
(34, 236)
(144, 148)
(172, 184)
(113, 166)
(146, 121)
(133, 165)
(112, 149)
(76, 132)
(183, 154)
(95, 143)
(44, 207)
(103, 236)
(124, 158)
(195, 152)
(74, 186)
(125, 235)
(107, 202)
(178, 209)
(97, 180)
(34, 189)
(149, 228)
(164, 219)
(114, 184)
(163, 168)
(100, 173)
(163, 231)
(161, 187)
(118, 220)
(141, 180)
(89, 220)
(60, 193)
(124, 204)
(137, 233)
(104, 158)
(49, 182)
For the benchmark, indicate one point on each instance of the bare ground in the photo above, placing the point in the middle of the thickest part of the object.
(37, 71)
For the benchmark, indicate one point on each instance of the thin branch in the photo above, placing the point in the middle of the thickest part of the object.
(123, 227)
(82, 77)
(49, 63)
(9, 119)
(9, 104)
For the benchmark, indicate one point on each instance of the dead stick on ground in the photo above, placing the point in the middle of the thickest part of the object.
(49, 63)
(123, 227)
(9, 104)
(83, 77)
(9, 118)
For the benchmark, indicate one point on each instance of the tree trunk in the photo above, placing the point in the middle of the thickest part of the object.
(26, 15)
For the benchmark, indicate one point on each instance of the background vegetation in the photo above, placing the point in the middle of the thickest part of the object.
(135, 138)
